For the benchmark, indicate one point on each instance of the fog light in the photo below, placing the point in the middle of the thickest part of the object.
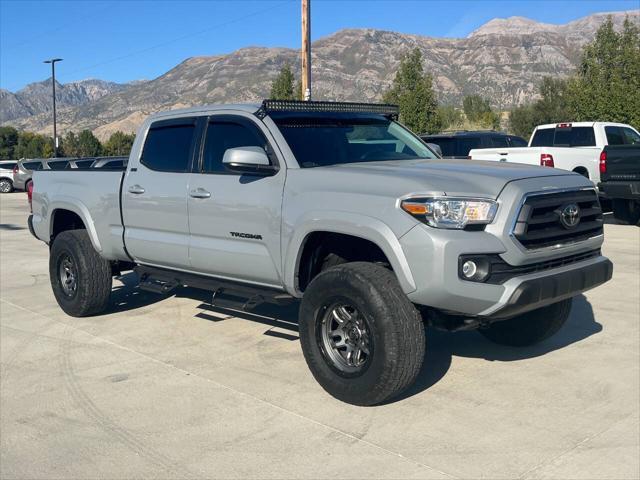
(469, 268)
(474, 268)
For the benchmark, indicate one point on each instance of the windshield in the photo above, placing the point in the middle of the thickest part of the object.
(319, 141)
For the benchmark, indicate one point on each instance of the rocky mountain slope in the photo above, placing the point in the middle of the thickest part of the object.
(36, 97)
(502, 60)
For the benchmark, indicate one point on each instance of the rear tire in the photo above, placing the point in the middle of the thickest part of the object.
(80, 278)
(531, 327)
(377, 318)
(626, 211)
(6, 185)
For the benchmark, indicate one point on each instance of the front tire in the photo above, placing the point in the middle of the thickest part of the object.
(80, 278)
(6, 185)
(531, 327)
(362, 338)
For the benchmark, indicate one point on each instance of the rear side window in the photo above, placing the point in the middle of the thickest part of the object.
(517, 142)
(447, 145)
(614, 135)
(57, 165)
(464, 145)
(581, 137)
(543, 137)
(499, 141)
(224, 133)
(33, 165)
(84, 163)
(631, 137)
(7, 166)
(621, 136)
(168, 146)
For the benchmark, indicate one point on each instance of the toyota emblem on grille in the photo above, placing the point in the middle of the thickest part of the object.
(570, 215)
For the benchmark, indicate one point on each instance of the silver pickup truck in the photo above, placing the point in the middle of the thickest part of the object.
(340, 206)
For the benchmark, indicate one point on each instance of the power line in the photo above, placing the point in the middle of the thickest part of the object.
(177, 39)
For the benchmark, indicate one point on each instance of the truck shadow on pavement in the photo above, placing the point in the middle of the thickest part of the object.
(441, 347)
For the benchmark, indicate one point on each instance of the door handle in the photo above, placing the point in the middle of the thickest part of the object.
(503, 153)
(136, 189)
(199, 193)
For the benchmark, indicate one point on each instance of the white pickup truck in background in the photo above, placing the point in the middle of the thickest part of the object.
(577, 147)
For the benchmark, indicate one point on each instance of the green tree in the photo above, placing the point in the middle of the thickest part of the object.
(552, 107)
(476, 108)
(282, 87)
(119, 143)
(607, 85)
(450, 117)
(8, 142)
(70, 145)
(412, 91)
(88, 144)
(33, 145)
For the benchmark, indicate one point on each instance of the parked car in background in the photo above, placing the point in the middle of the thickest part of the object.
(576, 147)
(23, 172)
(6, 176)
(620, 180)
(459, 143)
(117, 163)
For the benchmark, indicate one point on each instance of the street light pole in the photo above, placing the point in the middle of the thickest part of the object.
(53, 83)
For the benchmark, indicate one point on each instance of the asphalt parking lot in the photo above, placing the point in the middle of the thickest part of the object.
(168, 387)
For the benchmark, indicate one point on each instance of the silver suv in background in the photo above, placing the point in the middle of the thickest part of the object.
(6, 176)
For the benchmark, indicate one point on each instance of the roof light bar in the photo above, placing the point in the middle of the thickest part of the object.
(269, 106)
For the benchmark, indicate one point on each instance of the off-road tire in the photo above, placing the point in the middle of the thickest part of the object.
(531, 327)
(626, 211)
(6, 185)
(396, 329)
(93, 274)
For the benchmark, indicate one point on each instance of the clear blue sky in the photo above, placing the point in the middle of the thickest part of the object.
(128, 40)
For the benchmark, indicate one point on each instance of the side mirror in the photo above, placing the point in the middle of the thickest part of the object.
(436, 148)
(248, 160)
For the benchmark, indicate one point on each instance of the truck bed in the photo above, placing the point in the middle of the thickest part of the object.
(93, 194)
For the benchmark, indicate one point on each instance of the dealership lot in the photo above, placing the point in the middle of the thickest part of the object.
(169, 387)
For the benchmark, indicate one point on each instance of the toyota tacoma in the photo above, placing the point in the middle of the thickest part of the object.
(337, 205)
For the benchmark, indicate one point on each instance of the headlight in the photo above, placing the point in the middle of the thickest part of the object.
(444, 212)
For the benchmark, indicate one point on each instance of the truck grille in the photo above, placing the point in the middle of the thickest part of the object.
(556, 219)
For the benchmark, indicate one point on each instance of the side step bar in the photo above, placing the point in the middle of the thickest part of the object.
(163, 281)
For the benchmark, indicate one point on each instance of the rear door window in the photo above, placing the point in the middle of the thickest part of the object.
(543, 137)
(631, 137)
(582, 137)
(7, 166)
(169, 145)
(614, 135)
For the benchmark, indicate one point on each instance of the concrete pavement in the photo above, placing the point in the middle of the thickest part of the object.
(166, 387)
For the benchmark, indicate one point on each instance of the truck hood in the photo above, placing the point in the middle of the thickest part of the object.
(451, 176)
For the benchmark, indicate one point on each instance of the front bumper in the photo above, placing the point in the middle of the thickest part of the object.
(538, 292)
(433, 258)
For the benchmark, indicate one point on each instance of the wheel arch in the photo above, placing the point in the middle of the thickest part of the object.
(359, 228)
(71, 216)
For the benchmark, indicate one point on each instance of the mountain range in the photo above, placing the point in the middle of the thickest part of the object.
(503, 60)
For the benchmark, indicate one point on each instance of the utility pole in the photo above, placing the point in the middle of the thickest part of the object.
(306, 49)
(53, 83)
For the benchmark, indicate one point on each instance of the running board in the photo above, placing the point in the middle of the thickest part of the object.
(163, 281)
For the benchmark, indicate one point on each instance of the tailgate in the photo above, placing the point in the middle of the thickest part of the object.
(622, 163)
